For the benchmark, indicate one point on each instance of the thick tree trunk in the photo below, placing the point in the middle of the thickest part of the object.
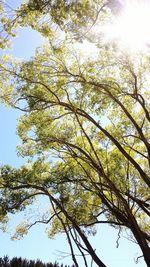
(142, 242)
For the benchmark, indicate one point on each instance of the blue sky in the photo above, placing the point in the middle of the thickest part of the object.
(36, 244)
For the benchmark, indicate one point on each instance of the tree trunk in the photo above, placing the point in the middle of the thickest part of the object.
(142, 242)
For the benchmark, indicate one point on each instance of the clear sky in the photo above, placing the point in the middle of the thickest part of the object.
(36, 244)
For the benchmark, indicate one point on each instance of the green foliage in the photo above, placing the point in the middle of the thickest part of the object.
(68, 15)
(84, 130)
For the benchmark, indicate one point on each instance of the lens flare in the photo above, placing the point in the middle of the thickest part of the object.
(132, 26)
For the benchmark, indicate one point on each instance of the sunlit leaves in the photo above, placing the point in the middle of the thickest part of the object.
(84, 130)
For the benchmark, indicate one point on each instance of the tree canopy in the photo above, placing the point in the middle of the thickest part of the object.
(19, 262)
(84, 127)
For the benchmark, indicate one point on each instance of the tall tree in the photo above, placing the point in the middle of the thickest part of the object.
(85, 129)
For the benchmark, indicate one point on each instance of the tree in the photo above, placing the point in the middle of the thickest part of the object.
(85, 129)
(19, 262)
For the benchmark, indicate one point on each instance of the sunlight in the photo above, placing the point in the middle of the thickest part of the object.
(132, 26)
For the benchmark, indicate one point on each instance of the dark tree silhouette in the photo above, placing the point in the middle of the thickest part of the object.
(19, 262)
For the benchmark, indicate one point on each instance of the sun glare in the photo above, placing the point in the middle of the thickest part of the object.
(132, 26)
